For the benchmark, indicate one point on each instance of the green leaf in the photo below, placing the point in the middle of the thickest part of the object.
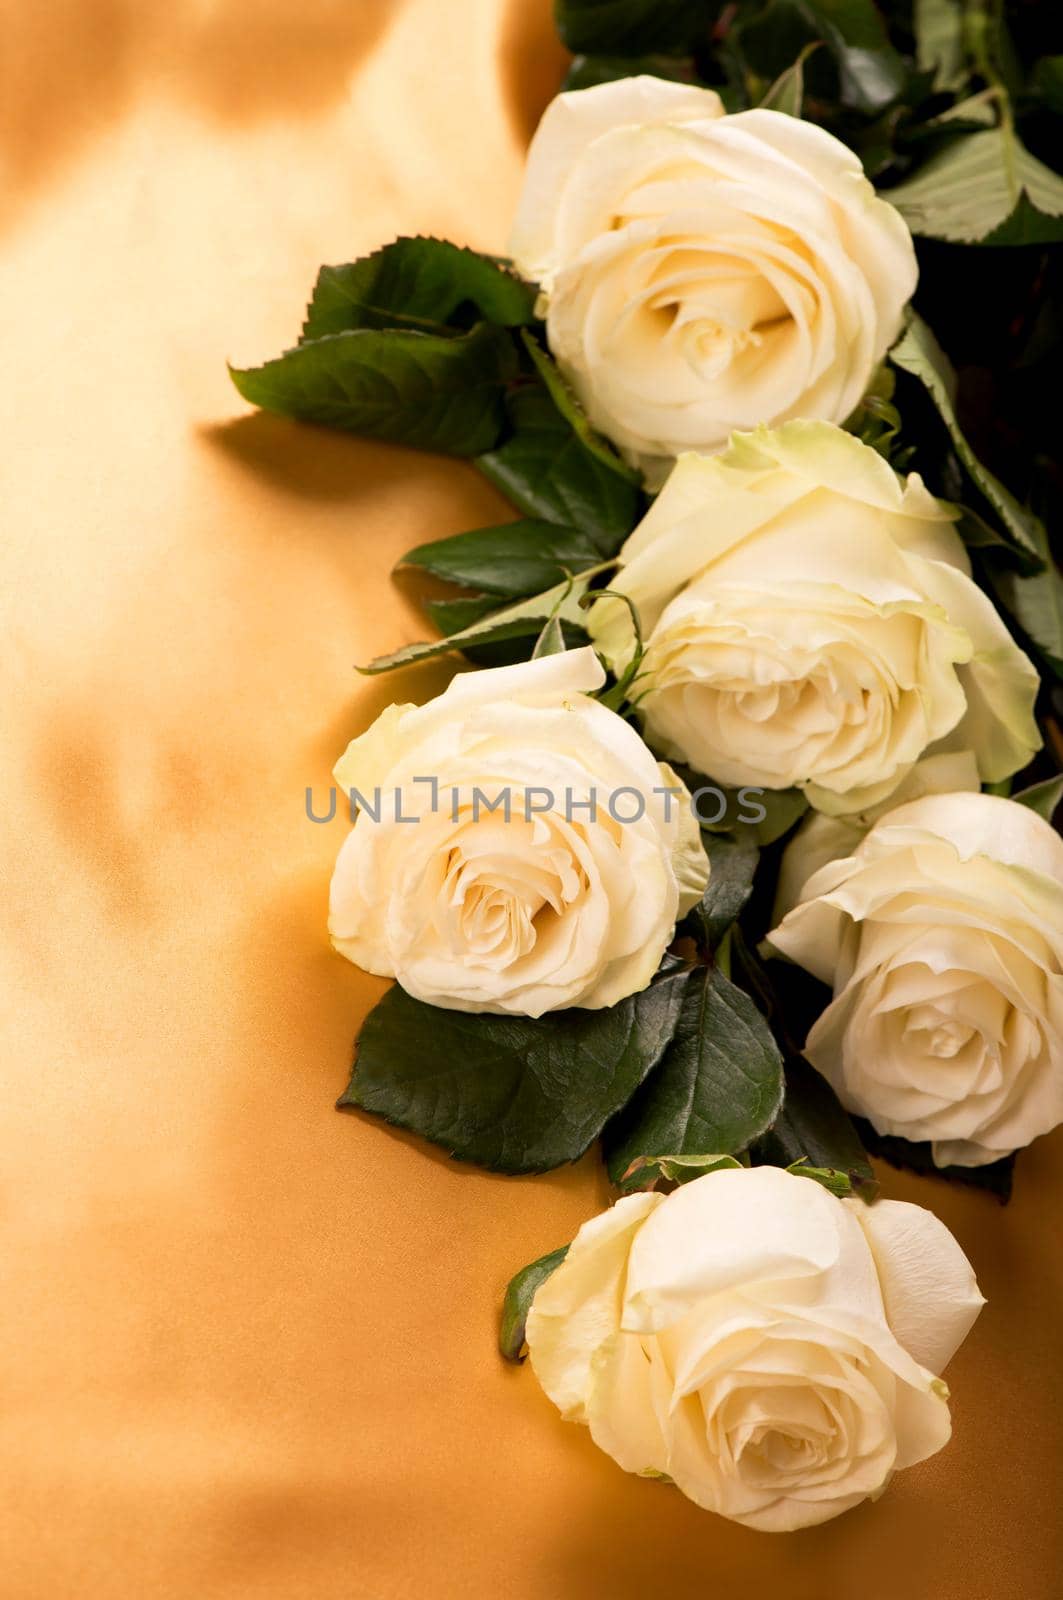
(650, 1170)
(990, 46)
(522, 620)
(939, 46)
(513, 1094)
(629, 27)
(432, 391)
(1044, 797)
(996, 1177)
(453, 616)
(767, 813)
(986, 188)
(518, 1298)
(1037, 606)
(977, 111)
(518, 558)
(782, 808)
(550, 475)
(718, 1087)
(919, 353)
(1047, 82)
(870, 73)
(417, 283)
(814, 1127)
(573, 413)
(586, 72)
(978, 534)
(733, 861)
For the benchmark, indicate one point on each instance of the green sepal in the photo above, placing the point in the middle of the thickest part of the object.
(645, 1172)
(814, 1129)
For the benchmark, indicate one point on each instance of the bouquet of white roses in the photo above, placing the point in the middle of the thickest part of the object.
(735, 850)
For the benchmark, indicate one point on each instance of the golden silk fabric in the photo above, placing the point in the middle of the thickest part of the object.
(247, 1344)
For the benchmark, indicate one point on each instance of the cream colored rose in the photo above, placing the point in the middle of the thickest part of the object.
(526, 854)
(704, 272)
(942, 935)
(771, 1349)
(810, 620)
(820, 838)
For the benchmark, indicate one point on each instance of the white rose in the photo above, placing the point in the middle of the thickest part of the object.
(771, 1349)
(704, 272)
(820, 838)
(942, 935)
(560, 904)
(810, 620)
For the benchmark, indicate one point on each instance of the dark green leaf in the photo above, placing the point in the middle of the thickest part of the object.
(767, 813)
(1047, 82)
(910, 1157)
(814, 1126)
(918, 352)
(732, 861)
(629, 27)
(939, 42)
(1037, 606)
(875, 143)
(978, 111)
(985, 188)
(417, 283)
(781, 807)
(432, 391)
(573, 413)
(990, 46)
(870, 73)
(1044, 798)
(718, 1087)
(518, 558)
(978, 534)
(586, 72)
(517, 1303)
(513, 1094)
(549, 474)
(523, 620)
(453, 616)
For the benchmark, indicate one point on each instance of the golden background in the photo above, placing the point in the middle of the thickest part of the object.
(246, 1344)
